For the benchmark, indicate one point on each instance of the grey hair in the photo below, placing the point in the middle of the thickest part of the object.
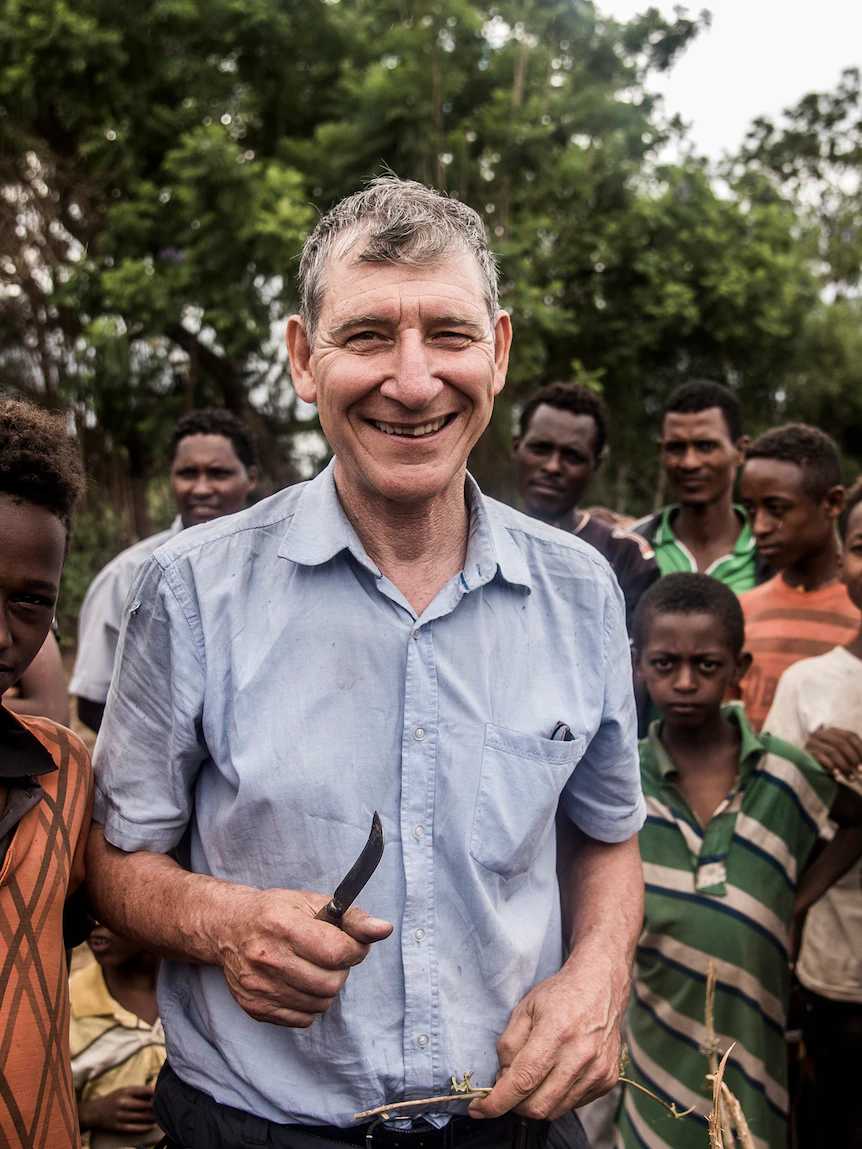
(401, 221)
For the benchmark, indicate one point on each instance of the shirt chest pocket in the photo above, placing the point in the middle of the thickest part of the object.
(520, 785)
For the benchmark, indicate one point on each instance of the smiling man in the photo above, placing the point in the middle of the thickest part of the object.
(346, 647)
(213, 468)
(701, 447)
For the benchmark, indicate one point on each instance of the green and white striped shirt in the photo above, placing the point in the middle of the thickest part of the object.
(722, 892)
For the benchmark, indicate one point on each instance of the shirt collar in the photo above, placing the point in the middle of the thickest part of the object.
(21, 753)
(751, 749)
(320, 530)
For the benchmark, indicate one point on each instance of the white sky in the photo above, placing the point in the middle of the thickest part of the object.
(758, 57)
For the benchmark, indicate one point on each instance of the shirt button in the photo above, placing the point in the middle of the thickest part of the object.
(419, 733)
(418, 935)
(422, 1040)
(418, 832)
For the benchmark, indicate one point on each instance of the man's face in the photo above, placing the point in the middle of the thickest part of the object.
(699, 456)
(32, 551)
(554, 461)
(788, 523)
(208, 480)
(404, 368)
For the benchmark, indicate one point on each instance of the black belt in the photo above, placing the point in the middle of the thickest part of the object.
(194, 1120)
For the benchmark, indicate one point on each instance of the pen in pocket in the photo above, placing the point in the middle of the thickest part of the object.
(562, 733)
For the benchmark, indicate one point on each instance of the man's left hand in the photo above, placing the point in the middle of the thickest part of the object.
(561, 1047)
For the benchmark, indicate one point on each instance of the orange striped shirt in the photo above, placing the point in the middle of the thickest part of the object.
(44, 864)
(782, 626)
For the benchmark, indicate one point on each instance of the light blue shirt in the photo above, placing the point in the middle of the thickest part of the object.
(273, 689)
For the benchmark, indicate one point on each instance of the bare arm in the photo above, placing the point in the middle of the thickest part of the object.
(561, 1047)
(280, 964)
(41, 689)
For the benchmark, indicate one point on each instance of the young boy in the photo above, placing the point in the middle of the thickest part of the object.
(818, 705)
(731, 818)
(792, 489)
(117, 1042)
(45, 788)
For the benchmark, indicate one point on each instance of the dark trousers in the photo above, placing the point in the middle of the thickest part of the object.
(832, 1108)
(193, 1120)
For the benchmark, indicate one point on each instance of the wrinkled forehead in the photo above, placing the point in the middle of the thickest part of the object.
(693, 425)
(348, 271)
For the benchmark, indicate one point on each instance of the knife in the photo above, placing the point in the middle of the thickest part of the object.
(358, 875)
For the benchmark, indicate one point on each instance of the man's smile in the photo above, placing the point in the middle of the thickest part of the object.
(417, 431)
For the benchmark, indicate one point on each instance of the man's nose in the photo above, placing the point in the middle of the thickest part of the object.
(685, 681)
(761, 524)
(412, 382)
(691, 459)
(202, 484)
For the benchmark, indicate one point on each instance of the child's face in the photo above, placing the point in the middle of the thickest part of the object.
(109, 949)
(853, 556)
(788, 524)
(687, 666)
(32, 550)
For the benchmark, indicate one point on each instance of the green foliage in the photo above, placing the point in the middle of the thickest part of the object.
(162, 160)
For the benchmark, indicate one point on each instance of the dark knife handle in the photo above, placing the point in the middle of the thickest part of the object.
(331, 913)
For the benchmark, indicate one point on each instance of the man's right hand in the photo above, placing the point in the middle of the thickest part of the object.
(126, 1110)
(838, 751)
(281, 964)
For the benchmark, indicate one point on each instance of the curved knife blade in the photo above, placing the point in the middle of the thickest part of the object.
(359, 873)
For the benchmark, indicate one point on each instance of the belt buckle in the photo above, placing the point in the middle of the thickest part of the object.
(369, 1133)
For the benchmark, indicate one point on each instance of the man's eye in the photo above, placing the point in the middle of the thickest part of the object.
(452, 337)
(705, 446)
(364, 338)
(36, 600)
(661, 663)
(708, 664)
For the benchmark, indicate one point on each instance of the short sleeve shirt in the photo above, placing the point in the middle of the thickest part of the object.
(724, 893)
(102, 613)
(631, 558)
(297, 692)
(783, 625)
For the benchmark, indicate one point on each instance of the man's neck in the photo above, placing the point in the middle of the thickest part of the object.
(700, 525)
(418, 546)
(815, 572)
(137, 975)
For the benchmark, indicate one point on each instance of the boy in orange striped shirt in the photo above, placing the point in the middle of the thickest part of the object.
(792, 488)
(45, 789)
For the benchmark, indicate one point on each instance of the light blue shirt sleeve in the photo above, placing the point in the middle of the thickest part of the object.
(161, 664)
(604, 797)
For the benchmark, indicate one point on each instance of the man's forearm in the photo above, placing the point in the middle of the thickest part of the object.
(150, 898)
(602, 895)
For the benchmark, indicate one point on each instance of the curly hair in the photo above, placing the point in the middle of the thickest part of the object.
(215, 421)
(571, 397)
(698, 395)
(39, 459)
(687, 593)
(808, 448)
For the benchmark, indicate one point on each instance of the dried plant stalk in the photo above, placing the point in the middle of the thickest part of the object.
(738, 1117)
(716, 1127)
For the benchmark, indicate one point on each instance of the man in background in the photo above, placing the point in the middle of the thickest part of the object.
(213, 465)
(558, 450)
(702, 445)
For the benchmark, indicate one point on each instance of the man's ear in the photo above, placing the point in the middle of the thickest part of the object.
(636, 663)
(252, 478)
(833, 501)
(516, 442)
(743, 665)
(502, 347)
(741, 445)
(299, 352)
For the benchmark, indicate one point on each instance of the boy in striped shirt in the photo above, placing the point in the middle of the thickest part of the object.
(732, 818)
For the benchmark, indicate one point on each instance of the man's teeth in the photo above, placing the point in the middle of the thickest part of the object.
(413, 432)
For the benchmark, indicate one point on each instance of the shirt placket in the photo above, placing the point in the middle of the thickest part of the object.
(418, 766)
